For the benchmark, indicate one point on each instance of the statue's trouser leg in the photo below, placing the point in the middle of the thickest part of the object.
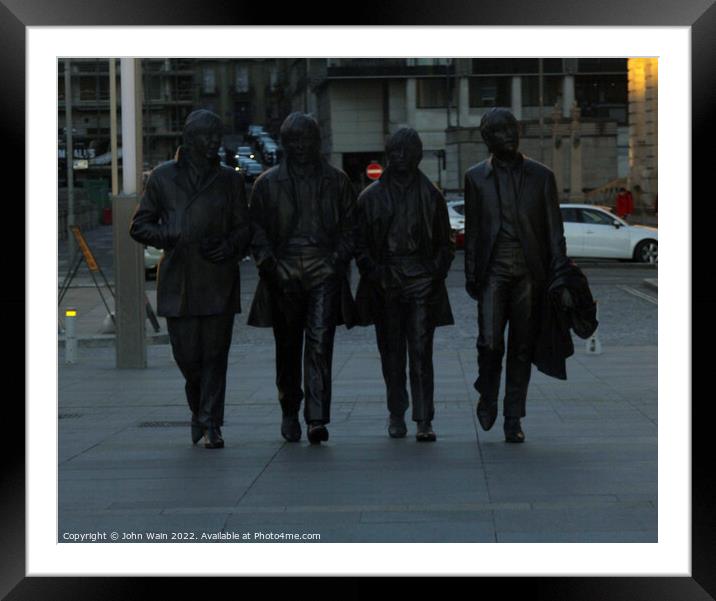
(201, 347)
(420, 331)
(216, 333)
(492, 313)
(508, 294)
(288, 336)
(183, 334)
(523, 319)
(392, 344)
(320, 328)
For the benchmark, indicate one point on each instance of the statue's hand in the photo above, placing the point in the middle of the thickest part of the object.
(471, 288)
(565, 299)
(171, 232)
(216, 250)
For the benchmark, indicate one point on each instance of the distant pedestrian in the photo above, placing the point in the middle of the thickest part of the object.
(624, 203)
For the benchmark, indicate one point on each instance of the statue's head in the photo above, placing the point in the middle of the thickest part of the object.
(301, 138)
(404, 150)
(202, 133)
(501, 132)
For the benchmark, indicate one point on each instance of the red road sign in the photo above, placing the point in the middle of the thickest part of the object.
(374, 170)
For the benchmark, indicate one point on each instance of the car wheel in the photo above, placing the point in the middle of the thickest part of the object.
(647, 251)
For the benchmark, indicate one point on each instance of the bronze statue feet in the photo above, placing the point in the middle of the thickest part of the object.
(425, 432)
(317, 433)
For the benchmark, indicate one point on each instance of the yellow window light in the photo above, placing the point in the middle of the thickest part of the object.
(71, 313)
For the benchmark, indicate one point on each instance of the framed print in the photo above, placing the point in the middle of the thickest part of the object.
(635, 563)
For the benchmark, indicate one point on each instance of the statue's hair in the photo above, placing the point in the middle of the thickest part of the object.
(298, 123)
(405, 136)
(201, 120)
(492, 117)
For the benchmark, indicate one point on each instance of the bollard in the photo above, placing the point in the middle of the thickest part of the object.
(70, 337)
(594, 345)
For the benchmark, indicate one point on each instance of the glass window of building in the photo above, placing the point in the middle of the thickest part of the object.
(432, 93)
(490, 91)
(153, 87)
(208, 80)
(93, 87)
(601, 95)
(242, 79)
(411, 62)
(602, 65)
(551, 93)
(515, 66)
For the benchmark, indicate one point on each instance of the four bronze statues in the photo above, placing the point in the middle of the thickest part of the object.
(304, 226)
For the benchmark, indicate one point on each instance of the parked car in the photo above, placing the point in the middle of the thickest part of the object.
(594, 231)
(249, 168)
(152, 256)
(255, 131)
(245, 151)
(264, 141)
(456, 213)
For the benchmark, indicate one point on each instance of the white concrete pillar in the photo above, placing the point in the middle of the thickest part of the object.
(517, 97)
(129, 125)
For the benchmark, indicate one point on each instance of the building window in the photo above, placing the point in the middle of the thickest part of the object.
(93, 87)
(602, 96)
(153, 87)
(432, 93)
(551, 93)
(490, 91)
(415, 62)
(208, 79)
(601, 65)
(514, 66)
(242, 79)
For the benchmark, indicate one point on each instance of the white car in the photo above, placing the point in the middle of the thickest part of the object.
(594, 231)
(456, 212)
(152, 256)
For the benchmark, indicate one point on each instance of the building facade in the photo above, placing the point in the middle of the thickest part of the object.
(590, 120)
(580, 127)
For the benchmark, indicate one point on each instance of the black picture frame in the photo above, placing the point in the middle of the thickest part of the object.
(700, 15)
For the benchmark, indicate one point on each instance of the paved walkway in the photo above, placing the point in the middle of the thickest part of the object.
(587, 472)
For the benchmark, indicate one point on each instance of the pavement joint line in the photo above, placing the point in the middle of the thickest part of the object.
(522, 506)
(253, 482)
(475, 426)
(94, 445)
(639, 294)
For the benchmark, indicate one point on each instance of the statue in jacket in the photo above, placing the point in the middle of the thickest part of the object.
(514, 243)
(404, 251)
(302, 241)
(195, 210)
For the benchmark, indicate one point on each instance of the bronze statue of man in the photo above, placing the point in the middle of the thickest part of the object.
(404, 251)
(514, 245)
(302, 241)
(195, 210)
